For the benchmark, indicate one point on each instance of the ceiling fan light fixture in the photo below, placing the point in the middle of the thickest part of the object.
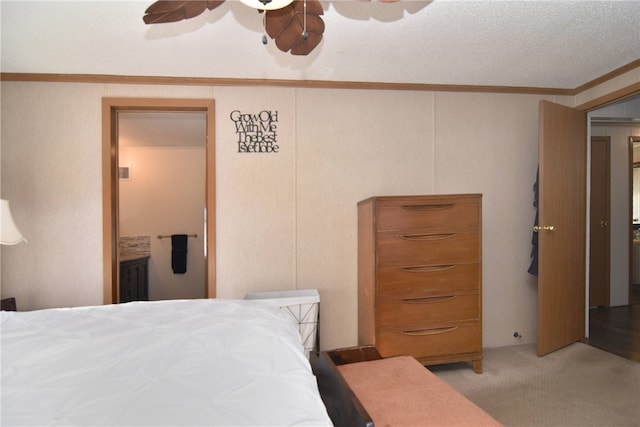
(267, 4)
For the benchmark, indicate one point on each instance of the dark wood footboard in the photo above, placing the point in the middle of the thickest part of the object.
(343, 406)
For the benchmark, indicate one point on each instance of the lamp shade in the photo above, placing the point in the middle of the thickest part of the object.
(9, 233)
(267, 4)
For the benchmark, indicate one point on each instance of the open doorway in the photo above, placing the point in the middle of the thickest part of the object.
(112, 108)
(611, 325)
(618, 122)
(161, 204)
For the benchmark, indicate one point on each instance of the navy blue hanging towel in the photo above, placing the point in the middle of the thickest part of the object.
(533, 268)
(179, 253)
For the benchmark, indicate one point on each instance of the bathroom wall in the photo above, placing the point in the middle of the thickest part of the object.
(165, 195)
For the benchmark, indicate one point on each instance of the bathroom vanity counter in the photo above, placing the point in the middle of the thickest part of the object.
(132, 256)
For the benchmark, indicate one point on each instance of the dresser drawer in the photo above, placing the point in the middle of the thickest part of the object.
(405, 249)
(448, 308)
(428, 279)
(431, 342)
(421, 213)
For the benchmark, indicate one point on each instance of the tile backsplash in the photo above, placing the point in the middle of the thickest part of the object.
(135, 246)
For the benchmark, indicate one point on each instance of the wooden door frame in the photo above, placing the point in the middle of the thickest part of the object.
(110, 232)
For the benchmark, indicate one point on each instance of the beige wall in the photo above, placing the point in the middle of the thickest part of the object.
(285, 220)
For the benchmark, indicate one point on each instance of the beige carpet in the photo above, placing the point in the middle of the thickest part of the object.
(578, 385)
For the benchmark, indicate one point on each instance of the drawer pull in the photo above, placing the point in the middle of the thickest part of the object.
(423, 332)
(428, 207)
(428, 268)
(429, 300)
(428, 237)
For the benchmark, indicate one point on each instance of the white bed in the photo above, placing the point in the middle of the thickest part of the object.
(169, 363)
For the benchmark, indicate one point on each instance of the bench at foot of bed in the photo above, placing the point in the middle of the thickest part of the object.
(360, 388)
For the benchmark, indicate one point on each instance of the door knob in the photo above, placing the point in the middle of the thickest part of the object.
(544, 228)
(603, 223)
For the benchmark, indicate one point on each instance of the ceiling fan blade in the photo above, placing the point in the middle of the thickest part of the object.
(278, 20)
(293, 35)
(286, 26)
(164, 11)
(305, 46)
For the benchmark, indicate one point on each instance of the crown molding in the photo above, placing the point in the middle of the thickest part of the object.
(312, 84)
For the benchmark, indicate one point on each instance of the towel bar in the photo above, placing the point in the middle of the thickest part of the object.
(162, 236)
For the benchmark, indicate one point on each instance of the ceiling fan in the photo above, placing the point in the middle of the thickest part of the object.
(295, 25)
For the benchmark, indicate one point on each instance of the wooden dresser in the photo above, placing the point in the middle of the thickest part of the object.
(420, 277)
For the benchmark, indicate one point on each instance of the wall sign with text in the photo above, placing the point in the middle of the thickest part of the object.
(257, 133)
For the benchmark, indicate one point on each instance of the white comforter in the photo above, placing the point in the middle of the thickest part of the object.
(169, 363)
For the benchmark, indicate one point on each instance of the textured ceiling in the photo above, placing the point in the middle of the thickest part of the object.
(549, 44)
